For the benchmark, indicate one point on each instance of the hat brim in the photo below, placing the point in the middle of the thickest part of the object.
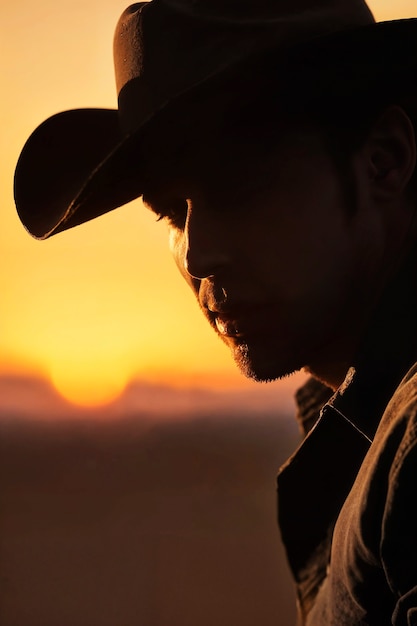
(69, 171)
(77, 165)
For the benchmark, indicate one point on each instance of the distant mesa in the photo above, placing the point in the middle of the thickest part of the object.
(29, 397)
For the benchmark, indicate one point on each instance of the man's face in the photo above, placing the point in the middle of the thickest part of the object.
(264, 238)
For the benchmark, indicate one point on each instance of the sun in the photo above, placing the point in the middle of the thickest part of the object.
(87, 386)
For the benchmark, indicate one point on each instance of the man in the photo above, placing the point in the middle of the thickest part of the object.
(277, 141)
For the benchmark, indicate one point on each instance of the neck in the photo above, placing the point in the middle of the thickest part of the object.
(385, 345)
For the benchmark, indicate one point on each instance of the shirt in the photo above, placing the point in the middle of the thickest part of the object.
(346, 498)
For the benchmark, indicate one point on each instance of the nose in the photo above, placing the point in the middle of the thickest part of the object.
(204, 253)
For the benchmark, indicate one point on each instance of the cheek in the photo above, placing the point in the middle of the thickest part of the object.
(307, 245)
(178, 248)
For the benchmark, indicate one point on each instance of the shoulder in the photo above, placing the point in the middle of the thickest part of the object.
(400, 417)
(399, 532)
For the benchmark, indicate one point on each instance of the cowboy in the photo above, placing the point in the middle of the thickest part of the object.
(276, 140)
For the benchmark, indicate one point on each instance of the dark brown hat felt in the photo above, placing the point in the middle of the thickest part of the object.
(78, 164)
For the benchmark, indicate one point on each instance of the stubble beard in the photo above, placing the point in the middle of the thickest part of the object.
(261, 370)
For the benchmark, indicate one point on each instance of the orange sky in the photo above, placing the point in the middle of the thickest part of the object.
(102, 304)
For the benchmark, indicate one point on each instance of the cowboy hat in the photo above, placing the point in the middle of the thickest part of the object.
(75, 166)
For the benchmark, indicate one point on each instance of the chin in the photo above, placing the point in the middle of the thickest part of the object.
(263, 367)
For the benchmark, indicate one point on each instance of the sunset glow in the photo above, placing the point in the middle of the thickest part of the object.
(100, 305)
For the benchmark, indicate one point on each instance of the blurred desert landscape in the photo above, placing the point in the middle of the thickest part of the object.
(157, 510)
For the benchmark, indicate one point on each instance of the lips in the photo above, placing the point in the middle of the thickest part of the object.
(227, 327)
(245, 323)
(233, 319)
(236, 323)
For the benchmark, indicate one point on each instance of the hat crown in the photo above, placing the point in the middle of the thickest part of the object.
(163, 48)
(350, 12)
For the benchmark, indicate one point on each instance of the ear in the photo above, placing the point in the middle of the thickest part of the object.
(390, 154)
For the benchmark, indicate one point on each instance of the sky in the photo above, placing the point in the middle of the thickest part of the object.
(98, 306)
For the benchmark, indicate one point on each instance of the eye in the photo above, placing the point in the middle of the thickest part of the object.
(173, 210)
